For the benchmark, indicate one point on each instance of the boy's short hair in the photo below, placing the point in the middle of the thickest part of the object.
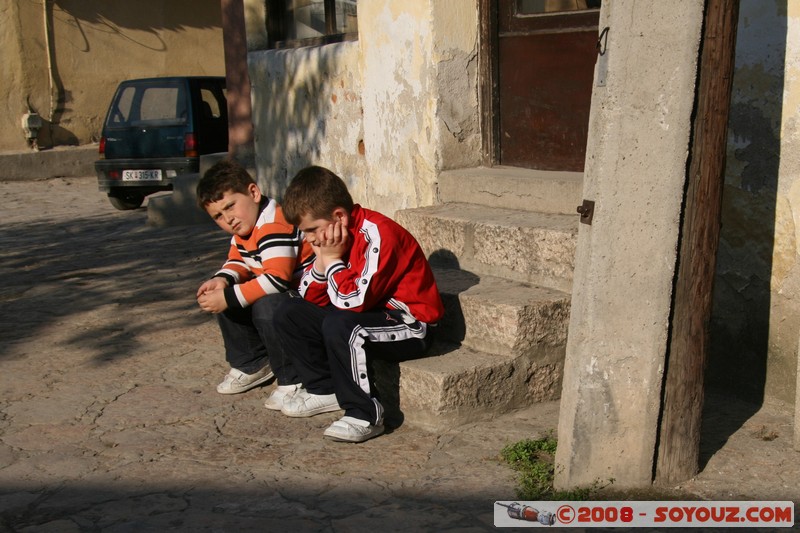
(226, 175)
(315, 191)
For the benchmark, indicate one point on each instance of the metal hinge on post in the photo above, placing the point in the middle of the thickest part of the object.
(586, 211)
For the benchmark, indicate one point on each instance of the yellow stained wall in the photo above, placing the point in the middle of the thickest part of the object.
(94, 45)
(756, 317)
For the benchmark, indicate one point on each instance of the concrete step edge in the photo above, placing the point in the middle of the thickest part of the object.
(519, 188)
(462, 384)
(499, 316)
(497, 216)
(536, 248)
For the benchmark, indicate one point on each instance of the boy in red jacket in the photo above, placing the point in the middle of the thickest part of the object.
(266, 257)
(369, 293)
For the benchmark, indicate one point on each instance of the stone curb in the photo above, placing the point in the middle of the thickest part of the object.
(63, 161)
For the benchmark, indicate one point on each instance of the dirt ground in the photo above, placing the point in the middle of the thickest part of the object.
(109, 418)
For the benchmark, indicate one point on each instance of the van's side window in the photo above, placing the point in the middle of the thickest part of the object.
(210, 106)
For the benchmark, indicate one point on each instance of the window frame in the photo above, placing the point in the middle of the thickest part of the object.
(277, 27)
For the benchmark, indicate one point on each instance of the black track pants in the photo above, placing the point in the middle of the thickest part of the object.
(330, 350)
(250, 339)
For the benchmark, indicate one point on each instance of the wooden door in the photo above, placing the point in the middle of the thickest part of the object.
(546, 51)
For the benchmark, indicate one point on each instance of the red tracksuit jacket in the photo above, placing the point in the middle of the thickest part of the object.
(384, 269)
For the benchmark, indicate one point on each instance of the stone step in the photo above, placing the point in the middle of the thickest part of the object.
(543, 191)
(461, 385)
(500, 316)
(535, 248)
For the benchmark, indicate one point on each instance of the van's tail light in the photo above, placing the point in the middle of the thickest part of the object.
(190, 145)
(102, 149)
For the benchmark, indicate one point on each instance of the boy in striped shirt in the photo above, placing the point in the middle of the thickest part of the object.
(266, 257)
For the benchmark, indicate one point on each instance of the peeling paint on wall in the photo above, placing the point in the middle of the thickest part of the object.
(399, 102)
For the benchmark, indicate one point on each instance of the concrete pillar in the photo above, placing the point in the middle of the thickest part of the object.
(790, 159)
(797, 407)
(635, 172)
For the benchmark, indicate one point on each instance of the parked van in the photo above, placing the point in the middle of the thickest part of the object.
(156, 129)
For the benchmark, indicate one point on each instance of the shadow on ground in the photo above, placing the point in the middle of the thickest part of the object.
(53, 269)
(271, 507)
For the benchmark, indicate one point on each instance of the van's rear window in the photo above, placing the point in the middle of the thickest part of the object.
(148, 104)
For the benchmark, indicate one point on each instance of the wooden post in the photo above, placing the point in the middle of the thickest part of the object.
(678, 446)
(234, 36)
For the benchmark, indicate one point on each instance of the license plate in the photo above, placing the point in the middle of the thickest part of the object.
(141, 175)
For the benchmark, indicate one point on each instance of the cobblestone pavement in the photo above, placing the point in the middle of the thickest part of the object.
(109, 420)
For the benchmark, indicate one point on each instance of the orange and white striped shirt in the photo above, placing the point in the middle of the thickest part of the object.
(269, 261)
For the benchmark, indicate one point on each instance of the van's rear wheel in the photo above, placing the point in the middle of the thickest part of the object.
(126, 200)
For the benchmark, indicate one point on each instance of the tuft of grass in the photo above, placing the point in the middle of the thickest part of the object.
(534, 461)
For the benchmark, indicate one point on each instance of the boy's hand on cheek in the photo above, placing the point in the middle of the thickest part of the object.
(336, 243)
(319, 266)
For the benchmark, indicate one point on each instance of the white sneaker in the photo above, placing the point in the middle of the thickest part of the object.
(280, 395)
(237, 381)
(349, 429)
(303, 404)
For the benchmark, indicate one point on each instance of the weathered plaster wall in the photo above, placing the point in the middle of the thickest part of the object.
(387, 112)
(757, 289)
(96, 44)
(420, 95)
(307, 110)
(638, 143)
(12, 81)
(455, 54)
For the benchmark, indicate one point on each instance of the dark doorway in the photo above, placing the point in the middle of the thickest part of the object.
(546, 51)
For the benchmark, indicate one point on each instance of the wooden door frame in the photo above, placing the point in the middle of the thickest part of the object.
(488, 82)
